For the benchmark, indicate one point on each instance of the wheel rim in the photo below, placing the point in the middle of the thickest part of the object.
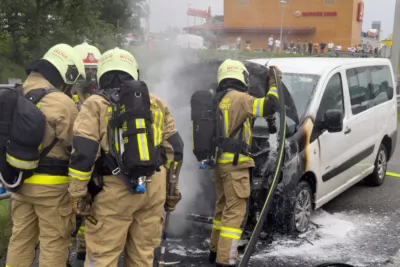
(303, 210)
(381, 164)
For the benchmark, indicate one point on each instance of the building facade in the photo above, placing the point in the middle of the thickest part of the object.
(319, 21)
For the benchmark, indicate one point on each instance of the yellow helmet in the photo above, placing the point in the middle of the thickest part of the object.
(89, 54)
(118, 60)
(233, 69)
(65, 59)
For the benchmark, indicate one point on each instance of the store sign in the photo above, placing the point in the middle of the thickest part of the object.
(360, 12)
(319, 14)
(197, 13)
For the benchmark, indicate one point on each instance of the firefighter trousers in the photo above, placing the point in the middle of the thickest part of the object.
(126, 222)
(80, 241)
(232, 185)
(41, 214)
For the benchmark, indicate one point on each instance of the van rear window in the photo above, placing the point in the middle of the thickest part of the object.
(369, 86)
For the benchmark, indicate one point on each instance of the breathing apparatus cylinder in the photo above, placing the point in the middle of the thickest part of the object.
(140, 186)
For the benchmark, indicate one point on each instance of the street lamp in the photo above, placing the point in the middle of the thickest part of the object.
(283, 3)
(395, 54)
(187, 24)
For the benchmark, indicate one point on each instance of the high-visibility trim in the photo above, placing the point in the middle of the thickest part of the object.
(47, 179)
(167, 163)
(75, 97)
(157, 126)
(21, 164)
(229, 232)
(217, 224)
(176, 163)
(228, 158)
(273, 91)
(226, 122)
(81, 230)
(109, 114)
(247, 132)
(116, 139)
(80, 175)
(142, 141)
(258, 107)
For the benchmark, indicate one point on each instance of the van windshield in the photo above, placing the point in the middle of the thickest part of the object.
(301, 87)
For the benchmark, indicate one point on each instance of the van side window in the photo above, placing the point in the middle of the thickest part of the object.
(382, 84)
(369, 86)
(359, 88)
(332, 97)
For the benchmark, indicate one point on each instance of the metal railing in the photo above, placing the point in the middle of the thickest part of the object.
(347, 54)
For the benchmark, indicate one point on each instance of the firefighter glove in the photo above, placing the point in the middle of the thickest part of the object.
(81, 205)
(272, 82)
(172, 200)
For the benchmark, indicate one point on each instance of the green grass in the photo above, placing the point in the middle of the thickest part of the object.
(5, 227)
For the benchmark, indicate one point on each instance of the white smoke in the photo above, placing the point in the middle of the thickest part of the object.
(158, 68)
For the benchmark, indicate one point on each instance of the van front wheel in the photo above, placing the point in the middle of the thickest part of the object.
(377, 178)
(303, 207)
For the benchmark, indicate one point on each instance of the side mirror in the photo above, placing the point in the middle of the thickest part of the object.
(333, 120)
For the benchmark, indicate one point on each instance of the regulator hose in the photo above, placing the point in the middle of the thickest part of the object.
(279, 161)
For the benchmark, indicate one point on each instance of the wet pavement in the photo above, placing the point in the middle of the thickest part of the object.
(360, 227)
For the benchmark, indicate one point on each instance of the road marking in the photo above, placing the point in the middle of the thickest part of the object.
(393, 174)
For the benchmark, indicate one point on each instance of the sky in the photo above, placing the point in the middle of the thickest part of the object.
(172, 13)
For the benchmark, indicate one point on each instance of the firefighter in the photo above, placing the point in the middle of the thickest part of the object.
(41, 208)
(84, 88)
(90, 56)
(119, 220)
(232, 177)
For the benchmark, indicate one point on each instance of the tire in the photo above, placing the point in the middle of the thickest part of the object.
(378, 176)
(302, 207)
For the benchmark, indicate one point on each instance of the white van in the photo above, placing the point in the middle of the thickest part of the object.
(347, 130)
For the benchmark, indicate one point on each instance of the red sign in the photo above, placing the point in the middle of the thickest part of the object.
(319, 14)
(360, 12)
(199, 13)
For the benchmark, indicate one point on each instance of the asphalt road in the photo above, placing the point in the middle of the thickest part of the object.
(360, 227)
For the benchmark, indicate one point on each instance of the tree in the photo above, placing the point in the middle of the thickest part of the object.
(29, 27)
(218, 18)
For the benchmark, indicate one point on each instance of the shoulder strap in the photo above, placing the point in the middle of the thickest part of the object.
(103, 94)
(35, 96)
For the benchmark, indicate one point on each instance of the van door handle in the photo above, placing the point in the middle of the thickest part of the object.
(348, 130)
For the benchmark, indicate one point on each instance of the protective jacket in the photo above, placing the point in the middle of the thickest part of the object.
(60, 112)
(237, 108)
(90, 135)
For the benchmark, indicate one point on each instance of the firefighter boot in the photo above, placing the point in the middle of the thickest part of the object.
(212, 257)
